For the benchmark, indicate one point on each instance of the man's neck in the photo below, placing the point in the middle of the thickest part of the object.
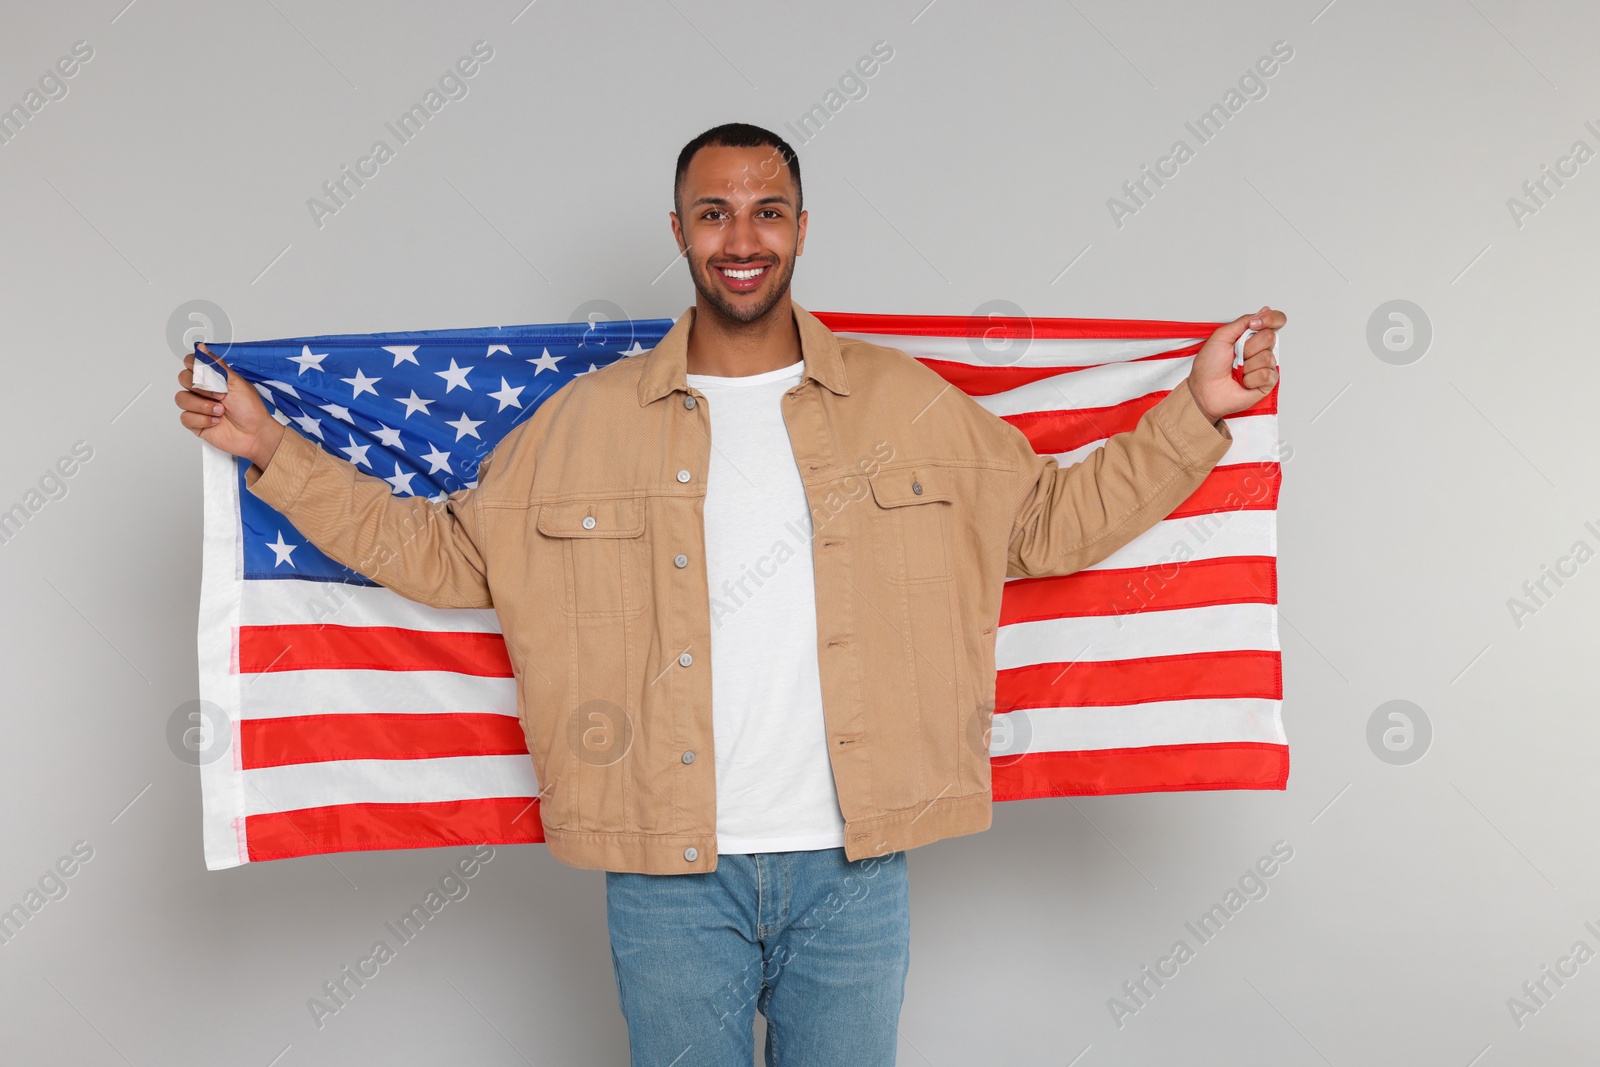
(729, 349)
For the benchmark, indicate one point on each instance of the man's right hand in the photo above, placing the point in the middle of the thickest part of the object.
(236, 422)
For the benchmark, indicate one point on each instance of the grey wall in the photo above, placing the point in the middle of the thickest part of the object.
(1421, 495)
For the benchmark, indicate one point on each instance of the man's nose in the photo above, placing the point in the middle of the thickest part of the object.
(741, 237)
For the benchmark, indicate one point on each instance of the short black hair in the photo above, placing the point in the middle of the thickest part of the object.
(737, 135)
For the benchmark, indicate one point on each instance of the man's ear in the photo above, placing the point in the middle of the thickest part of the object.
(800, 239)
(677, 231)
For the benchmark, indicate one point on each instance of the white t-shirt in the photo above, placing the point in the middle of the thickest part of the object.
(775, 789)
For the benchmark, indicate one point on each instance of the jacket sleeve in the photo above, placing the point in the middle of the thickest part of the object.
(1072, 518)
(428, 552)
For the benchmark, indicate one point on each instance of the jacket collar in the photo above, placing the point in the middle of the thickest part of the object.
(666, 365)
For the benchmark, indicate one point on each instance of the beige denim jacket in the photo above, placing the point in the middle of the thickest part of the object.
(584, 533)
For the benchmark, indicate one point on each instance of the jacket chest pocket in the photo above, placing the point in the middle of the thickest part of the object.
(601, 545)
(910, 523)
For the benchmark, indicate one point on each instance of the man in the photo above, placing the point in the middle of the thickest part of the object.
(749, 582)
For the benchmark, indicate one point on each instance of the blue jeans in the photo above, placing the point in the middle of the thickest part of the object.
(818, 943)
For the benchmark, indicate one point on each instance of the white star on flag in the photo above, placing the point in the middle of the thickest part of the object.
(357, 453)
(508, 395)
(465, 426)
(282, 549)
(403, 353)
(361, 383)
(545, 362)
(414, 404)
(400, 480)
(455, 376)
(438, 461)
(308, 360)
(310, 425)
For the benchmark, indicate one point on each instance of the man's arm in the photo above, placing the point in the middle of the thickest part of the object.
(424, 551)
(428, 552)
(1066, 520)
(1074, 517)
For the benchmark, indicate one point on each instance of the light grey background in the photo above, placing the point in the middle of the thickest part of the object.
(1418, 499)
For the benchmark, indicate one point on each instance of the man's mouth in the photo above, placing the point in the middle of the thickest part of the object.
(744, 279)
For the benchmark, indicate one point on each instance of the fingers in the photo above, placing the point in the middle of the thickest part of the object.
(189, 400)
(197, 412)
(1260, 341)
(198, 421)
(1263, 379)
(1259, 372)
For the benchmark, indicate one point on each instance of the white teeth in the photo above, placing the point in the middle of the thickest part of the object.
(743, 275)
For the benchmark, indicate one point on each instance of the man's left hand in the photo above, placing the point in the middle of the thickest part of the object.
(1211, 380)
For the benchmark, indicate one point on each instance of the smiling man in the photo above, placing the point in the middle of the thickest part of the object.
(749, 583)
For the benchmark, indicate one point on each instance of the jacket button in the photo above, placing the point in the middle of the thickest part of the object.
(691, 853)
(688, 402)
(688, 757)
(916, 487)
(680, 560)
(588, 522)
(683, 476)
(685, 659)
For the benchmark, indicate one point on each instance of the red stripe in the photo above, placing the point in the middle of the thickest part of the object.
(998, 326)
(361, 827)
(318, 738)
(1068, 429)
(1072, 428)
(1227, 675)
(1124, 590)
(1159, 768)
(984, 380)
(373, 648)
(1235, 487)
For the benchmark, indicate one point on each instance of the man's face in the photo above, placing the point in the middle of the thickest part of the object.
(739, 216)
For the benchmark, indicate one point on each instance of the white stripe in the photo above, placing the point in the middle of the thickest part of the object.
(1101, 638)
(399, 781)
(1037, 352)
(1211, 536)
(1255, 440)
(221, 801)
(1167, 722)
(1096, 387)
(290, 601)
(337, 692)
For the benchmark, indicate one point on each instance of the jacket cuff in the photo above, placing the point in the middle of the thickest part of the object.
(1200, 441)
(286, 473)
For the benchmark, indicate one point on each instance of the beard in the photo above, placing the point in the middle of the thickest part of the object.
(742, 311)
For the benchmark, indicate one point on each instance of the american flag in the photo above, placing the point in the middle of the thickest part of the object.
(335, 715)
